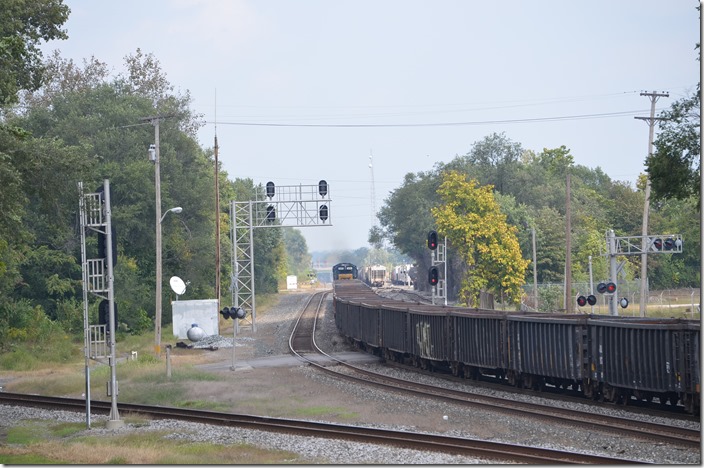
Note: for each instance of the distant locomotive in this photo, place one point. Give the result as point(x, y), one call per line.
point(401, 275)
point(609, 358)
point(375, 275)
point(343, 271)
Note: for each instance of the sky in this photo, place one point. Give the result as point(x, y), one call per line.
point(402, 84)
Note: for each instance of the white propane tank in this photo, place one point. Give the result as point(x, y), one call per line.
point(195, 333)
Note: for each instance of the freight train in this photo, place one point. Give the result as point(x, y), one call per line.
point(607, 358)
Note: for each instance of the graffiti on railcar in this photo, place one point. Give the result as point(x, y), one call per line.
point(424, 339)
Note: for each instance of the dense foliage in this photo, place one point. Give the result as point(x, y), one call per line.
point(62, 123)
point(84, 125)
point(473, 223)
point(533, 196)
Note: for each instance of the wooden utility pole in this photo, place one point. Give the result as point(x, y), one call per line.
point(568, 246)
point(654, 96)
point(217, 211)
point(217, 225)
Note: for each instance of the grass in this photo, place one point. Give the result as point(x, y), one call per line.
point(36, 443)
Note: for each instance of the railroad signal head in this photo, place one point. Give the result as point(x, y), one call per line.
point(590, 299)
point(104, 314)
point(601, 288)
point(433, 275)
point(433, 240)
point(323, 213)
point(610, 288)
point(322, 188)
point(657, 244)
point(270, 213)
point(233, 313)
point(669, 243)
point(270, 189)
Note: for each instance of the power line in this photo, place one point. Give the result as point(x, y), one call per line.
point(436, 124)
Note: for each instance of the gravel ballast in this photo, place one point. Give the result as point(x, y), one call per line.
point(389, 410)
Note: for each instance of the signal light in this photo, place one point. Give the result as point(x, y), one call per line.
point(624, 302)
point(104, 314)
point(323, 212)
point(590, 299)
point(322, 188)
point(610, 288)
point(601, 288)
point(433, 275)
point(102, 245)
point(669, 244)
point(270, 188)
point(433, 240)
point(657, 243)
point(270, 213)
point(233, 313)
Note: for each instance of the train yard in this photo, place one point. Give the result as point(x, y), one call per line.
point(470, 416)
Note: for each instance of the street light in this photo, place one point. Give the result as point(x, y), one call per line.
point(157, 317)
point(176, 209)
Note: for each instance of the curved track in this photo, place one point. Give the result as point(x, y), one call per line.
point(657, 433)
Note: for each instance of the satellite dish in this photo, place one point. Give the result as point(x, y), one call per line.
point(177, 285)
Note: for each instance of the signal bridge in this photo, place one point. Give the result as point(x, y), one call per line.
point(635, 245)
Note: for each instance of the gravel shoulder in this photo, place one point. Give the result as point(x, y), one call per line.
point(294, 390)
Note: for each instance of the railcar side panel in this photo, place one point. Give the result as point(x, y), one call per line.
point(369, 325)
point(548, 347)
point(394, 329)
point(428, 335)
point(479, 340)
point(641, 356)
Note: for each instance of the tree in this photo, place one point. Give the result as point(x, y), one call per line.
point(23, 25)
point(297, 256)
point(493, 160)
point(674, 166)
point(471, 219)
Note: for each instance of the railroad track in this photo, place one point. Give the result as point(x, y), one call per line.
point(439, 443)
point(303, 339)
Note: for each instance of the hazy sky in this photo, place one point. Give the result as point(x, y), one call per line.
point(477, 67)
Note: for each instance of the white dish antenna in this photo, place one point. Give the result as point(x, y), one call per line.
point(177, 285)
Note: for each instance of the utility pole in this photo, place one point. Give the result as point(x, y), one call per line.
point(157, 188)
point(568, 246)
point(654, 96)
point(155, 120)
point(217, 216)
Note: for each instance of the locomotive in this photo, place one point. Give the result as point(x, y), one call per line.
point(400, 275)
point(343, 271)
point(375, 275)
point(608, 358)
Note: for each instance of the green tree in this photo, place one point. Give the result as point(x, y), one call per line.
point(674, 166)
point(472, 221)
point(297, 256)
point(23, 26)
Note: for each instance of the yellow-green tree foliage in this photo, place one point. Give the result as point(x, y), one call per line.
point(471, 219)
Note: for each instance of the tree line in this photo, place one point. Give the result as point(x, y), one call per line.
point(62, 123)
